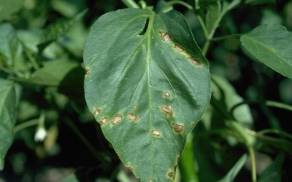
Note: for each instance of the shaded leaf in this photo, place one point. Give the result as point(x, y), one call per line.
point(273, 173)
point(226, 94)
point(56, 30)
point(71, 178)
point(148, 84)
point(271, 44)
point(234, 170)
point(9, 44)
point(8, 8)
point(7, 117)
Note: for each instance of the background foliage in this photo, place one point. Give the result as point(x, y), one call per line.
point(42, 74)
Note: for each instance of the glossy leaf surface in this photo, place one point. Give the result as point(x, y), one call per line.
point(7, 117)
point(148, 84)
point(271, 44)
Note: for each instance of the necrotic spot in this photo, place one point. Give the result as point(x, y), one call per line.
point(178, 128)
point(165, 36)
point(117, 119)
point(155, 132)
point(178, 48)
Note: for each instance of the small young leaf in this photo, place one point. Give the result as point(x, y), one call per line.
point(148, 84)
point(7, 117)
point(271, 44)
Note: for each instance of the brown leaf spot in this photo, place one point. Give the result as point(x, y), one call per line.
point(178, 128)
point(178, 48)
point(117, 119)
point(168, 110)
point(170, 174)
point(87, 73)
point(193, 123)
point(133, 117)
point(103, 121)
point(166, 94)
point(135, 106)
point(165, 36)
point(155, 132)
point(194, 61)
point(96, 112)
point(150, 180)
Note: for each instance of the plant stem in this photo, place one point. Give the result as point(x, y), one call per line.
point(130, 4)
point(253, 163)
point(278, 105)
point(25, 125)
point(171, 3)
point(226, 37)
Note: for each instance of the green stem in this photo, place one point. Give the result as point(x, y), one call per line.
point(226, 37)
point(130, 4)
point(278, 105)
point(275, 131)
point(187, 162)
point(171, 3)
point(267, 138)
point(25, 125)
point(253, 163)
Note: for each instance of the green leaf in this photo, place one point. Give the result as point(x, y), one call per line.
point(7, 117)
point(56, 30)
point(71, 178)
point(226, 94)
point(273, 173)
point(235, 169)
point(148, 84)
point(271, 44)
point(8, 8)
point(9, 44)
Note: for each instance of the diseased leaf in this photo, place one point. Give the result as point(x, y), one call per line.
point(271, 44)
point(7, 117)
point(148, 84)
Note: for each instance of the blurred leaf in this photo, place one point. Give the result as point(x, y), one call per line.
point(273, 173)
point(271, 44)
point(235, 169)
point(225, 93)
point(212, 17)
point(7, 117)
point(8, 45)
point(270, 17)
point(54, 74)
point(71, 178)
point(56, 30)
point(140, 86)
point(215, 12)
point(66, 8)
point(8, 8)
